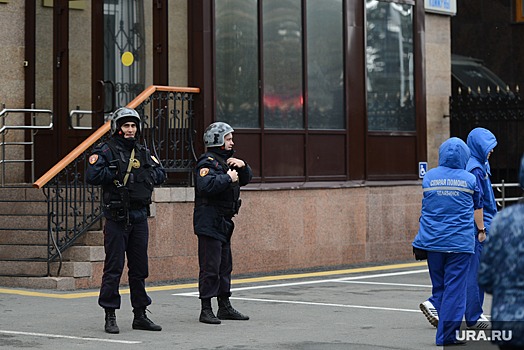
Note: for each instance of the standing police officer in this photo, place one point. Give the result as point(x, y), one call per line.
point(128, 173)
point(218, 177)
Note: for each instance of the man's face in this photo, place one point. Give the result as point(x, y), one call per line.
point(228, 142)
point(129, 129)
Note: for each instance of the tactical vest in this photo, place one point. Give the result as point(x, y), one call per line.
point(140, 183)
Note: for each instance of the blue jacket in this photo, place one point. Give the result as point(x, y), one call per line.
point(450, 194)
point(480, 142)
point(501, 269)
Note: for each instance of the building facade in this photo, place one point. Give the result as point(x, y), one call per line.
point(334, 105)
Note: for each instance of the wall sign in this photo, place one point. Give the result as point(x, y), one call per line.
point(446, 7)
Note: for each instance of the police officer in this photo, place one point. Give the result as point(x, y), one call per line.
point(128, 173)
point(218, 177)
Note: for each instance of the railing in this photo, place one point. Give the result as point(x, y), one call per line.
point(32, 127)
point(74, 206)
point(502, 112)
point(501, 189)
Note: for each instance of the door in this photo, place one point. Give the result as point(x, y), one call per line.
point(88, 59)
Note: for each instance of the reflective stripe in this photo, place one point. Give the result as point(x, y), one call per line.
point(444, 188)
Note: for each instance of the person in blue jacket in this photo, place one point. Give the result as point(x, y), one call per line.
point(481, 143)
point(447, 234)
point(501, 273)
point(218, 178)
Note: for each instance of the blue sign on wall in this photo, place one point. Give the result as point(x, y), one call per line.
point(422, 169)
point(447, 7)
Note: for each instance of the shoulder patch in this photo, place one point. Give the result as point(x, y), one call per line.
point(204, 172)
point(93, 158)
point(155, 160)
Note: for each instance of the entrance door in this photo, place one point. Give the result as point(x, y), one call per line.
point(63, 77)
point(88, 59)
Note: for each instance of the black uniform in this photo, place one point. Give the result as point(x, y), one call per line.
point(126, 207)
point(216, 202)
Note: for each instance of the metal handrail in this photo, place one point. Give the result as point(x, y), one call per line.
point(34, 128)
point(101, 131)
point(501, 188)
point(79, 112)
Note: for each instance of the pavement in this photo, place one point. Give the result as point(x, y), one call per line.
point(359, 307)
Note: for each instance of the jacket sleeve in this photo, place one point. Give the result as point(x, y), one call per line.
point(98, 167)
point(244, 175)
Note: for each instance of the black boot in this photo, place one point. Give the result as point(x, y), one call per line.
point(111, 326)
point(141, 321)
point(227, 312)
point(207, 315)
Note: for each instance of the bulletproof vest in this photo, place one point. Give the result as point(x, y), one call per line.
point(140, 183)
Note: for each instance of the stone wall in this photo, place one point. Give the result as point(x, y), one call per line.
point(287, 229)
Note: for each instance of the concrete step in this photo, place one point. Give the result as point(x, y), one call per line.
point(23, 222)
point(84, 254)
point(21, 194)
point(23, 268)
point(23, 237)
point(19, 251)
point(91, 238)
point(53, 283)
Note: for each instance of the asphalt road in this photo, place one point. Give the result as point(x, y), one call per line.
point(361, 308)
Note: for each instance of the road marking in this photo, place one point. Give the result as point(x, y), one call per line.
point(326, 304)
point(47, 335)
point(270, 278)
point(342, 279)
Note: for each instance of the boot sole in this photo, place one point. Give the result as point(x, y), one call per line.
point(431, 319)
point(210, 322)
point(146, 329)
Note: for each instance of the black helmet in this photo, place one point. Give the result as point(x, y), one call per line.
point(124, 115)
point(214, 134)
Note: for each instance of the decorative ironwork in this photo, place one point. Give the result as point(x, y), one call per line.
point(500, 111)
point(74, 206)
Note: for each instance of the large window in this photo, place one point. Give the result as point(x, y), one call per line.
point(236, 36)
point(283, 73)
point(316, 90)
point(389, 61)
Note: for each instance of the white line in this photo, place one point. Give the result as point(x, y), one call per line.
point(326, 304)
point(70, 337)
point(389, 284)
point(316, 282)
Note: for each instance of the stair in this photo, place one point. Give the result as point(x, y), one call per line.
point(23, 247)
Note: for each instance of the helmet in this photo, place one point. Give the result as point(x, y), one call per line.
point(122, 116)
point(214, 134)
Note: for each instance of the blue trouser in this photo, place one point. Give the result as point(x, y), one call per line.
point(475, 293)
point(121, 239)
point(216, 265)
point(448, 273)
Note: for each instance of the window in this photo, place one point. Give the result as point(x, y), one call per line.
point(389, 57)
point(290, 76)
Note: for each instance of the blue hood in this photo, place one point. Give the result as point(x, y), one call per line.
point(453, 153)
point(480, 142)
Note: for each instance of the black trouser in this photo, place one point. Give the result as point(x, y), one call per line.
point(120, 240)
point(216, 264)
